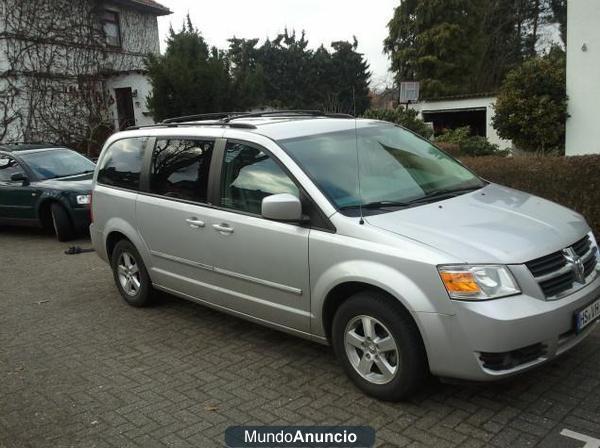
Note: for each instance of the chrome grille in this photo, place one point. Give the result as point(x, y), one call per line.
point(557, 274)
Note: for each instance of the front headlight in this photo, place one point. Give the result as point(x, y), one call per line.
point(478, 282)
point(84, 199)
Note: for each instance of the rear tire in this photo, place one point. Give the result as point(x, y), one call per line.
point(131, 276)
point(380, 346)
point(63, 228)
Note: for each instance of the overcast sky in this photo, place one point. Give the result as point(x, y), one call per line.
point(323, 20)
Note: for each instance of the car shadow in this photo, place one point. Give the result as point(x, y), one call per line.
point(38, 233)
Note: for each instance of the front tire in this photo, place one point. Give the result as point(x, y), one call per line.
point(380, 346)
point(63, 227)
point(131, 276)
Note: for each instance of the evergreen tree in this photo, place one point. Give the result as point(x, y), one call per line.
point(463, 46)
point(350, 81)
point(434, 42)
point(288, 75)
point(559, 15)
point(189, 78)
point(247, 74)
point(282, 73)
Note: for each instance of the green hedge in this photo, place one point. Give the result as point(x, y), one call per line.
point(571, 181)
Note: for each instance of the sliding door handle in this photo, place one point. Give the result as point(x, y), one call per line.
point(195, 223)
point(223, 228)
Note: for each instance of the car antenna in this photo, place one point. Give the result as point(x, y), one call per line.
point(362, 219)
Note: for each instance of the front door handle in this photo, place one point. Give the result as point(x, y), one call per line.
point(195, 223)
point(223, 228)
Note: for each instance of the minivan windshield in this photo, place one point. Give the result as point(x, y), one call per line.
point(57, 163)
point(392, 167)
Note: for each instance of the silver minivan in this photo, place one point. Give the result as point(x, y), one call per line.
point(350, 232)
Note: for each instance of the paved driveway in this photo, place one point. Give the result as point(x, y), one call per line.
point(80, 368)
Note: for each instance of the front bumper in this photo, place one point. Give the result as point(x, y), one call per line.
point(526, 330)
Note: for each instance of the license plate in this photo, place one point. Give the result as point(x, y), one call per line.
point(587, 315)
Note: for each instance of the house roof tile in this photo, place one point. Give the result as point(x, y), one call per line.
point(151, 5)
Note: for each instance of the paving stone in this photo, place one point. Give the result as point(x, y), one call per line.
point(86, 370)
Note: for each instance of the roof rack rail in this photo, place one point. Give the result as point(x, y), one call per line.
point(296, 112)
point(185, 124)
point(197, 117)
point(225, 118)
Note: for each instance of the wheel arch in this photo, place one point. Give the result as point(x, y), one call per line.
point(343, 291)
point(116, 229)
point(44, 209)
point(112, 239)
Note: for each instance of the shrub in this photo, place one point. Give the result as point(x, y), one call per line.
point(456, 136)
point(478, 146)
point(531, 109)
point(569, 181)
point(407, 118)
point(460, 142)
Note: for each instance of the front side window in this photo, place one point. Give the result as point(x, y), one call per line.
point(377, 163)
point(112, 28)
point(248, 176)
point(122, 164)
point(180, 169)
point(8, 167)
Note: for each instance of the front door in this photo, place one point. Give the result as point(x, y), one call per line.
point(262, 264)
point(16, 200)
point(125, 113)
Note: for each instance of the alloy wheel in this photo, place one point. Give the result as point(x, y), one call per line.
point(129, 274)
point(371, 349)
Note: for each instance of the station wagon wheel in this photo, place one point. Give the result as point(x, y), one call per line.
point(63, 228)
point(131, 276)
point(379, 345)
point(371, 349)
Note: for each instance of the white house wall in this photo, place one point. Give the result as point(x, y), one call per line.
point(583, 77)
point(140, 87)
point(486, 103)
point(38, 76)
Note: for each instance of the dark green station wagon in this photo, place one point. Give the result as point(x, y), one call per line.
point(45, 186)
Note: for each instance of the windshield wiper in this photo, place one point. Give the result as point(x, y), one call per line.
point(443, 194)
point(376, 205)
point(429, 197)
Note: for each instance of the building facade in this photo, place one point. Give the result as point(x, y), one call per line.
point(583, 77)
point(72, 70)
point(475, 111)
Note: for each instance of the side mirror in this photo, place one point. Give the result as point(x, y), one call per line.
point(282, 207)
point(20, 177)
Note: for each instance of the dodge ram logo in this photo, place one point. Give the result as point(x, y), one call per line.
point(576, 264)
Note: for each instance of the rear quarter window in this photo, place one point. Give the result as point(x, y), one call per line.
point(122, 164)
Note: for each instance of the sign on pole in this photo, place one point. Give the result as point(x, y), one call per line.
point(409, 92)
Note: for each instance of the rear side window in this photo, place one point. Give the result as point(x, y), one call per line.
point(180, 169)
point(122, 164)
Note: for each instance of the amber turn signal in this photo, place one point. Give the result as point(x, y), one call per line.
point(460, 282)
